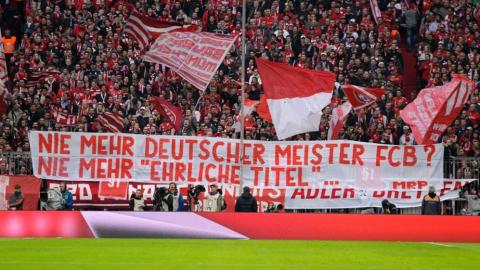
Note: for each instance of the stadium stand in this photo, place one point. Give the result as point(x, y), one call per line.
point(68, 61)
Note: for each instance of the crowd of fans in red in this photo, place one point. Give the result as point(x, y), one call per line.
point(101, 68)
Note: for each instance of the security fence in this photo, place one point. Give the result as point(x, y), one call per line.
point(13, 163)
point(462, 168)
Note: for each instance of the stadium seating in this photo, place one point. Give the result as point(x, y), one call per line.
point(71, 57)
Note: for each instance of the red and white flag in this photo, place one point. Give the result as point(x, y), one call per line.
point(38, 77)
point(4, 93)
point(194, 56)
point(172, 113)
point(64, 118)
point(361, 97)
point(111, 122)
point(262, 109)
point(436, 108)
point(337, 121)
point(295, 96)
point(375, 10)
point(249, 106)
point(144, 30)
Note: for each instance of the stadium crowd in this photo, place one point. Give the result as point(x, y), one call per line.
point(100, 68)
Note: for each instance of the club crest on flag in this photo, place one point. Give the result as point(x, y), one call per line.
point(362, 97)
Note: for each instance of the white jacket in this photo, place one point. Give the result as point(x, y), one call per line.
point(213, 203)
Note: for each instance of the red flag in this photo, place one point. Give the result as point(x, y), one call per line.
point(172, 113)
point(111, 122)
point(337, 121)
point(64, 118)
point(295, 96)
point(436, 108)
point(375, 10)
point(361, 97)
point(249, 106)
point(262, 109)
point(144, 30)
point(194, 56)
point(38, 76)
point(124, 3)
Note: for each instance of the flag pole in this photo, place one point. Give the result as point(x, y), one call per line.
point(198, 101)
point(242, 91)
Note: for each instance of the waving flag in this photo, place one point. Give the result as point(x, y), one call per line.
point(436, 108)
point(64, 118)
point(249, 106)
point(262, 109)
point(375, 10)
point(144, 30)
point(172, 113)
point(111, 122)
point(295, 96)
point(361, 97)
point(38, 77)
point(194, 56)
point(337, 121)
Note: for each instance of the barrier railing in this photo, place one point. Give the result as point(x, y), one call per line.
point(14, 163)
point(462, 168)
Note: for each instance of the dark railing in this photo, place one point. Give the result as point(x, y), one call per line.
point(17, 162)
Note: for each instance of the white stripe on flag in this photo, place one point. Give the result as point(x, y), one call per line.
point(134, 21)
point(293, 116)
point(162, 29)
point(139, 39)
point(106, 125)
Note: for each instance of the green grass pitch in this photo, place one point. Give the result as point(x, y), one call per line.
point(133, 254)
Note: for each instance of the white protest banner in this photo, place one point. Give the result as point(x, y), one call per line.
point(342, 170)
point(194, 56)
